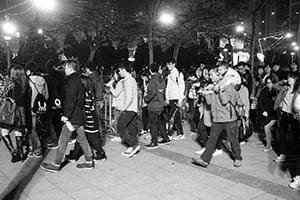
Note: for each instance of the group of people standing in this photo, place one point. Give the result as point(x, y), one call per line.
point(220, 102)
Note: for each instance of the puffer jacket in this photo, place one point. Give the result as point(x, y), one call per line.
point(222, 109)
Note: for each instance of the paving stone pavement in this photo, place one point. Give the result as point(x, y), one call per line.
point(165, 173)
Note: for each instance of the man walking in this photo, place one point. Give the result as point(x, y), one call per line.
point(175, 95)
point(126, 125)
point(73, 119)
point(155, 101)
point(224, 118)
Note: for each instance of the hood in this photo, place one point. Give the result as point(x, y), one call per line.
point(95, 76)
point(157, 77)
point(38, 80)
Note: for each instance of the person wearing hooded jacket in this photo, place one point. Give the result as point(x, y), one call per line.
point(155, 101)
point(37, 85)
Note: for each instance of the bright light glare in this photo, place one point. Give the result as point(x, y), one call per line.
point(296, 48)
point(288, 35)
point(40, 31)
point(240, 29)
point(9, 28)
point(45, 4)
point(294, 44)
point(167, 18)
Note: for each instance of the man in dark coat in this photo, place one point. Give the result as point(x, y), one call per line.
point(155, 104)
point(73, 119)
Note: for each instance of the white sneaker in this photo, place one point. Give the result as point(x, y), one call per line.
point(128, 151)
point(116, 139)
point(179, 137)
point(200, 152)
point(217, 152)
point(280, 158)
point(131, 151)
point(296, 183)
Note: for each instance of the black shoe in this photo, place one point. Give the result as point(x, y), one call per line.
point(70, 158)
point(151, 146)
point(15, 158)
point(164, 142)
point(86, 165)
point(101, 157)
point(199, 162)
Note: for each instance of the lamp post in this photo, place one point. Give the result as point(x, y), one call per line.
point(9, 29)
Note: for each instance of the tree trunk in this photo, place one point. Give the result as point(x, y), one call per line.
point(176, 50)
point(150, 43)
point(253, 42)
point(92, 54)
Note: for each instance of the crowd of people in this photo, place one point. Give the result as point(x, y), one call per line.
point(222, 103)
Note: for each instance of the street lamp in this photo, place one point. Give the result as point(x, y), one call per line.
point(9, 29)
point(240, 29)
point(45, 4)
point(167, 18)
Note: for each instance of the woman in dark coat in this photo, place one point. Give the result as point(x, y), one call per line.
point(265, 105)
point(20, 93)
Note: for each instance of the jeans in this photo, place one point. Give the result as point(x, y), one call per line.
point(215, 132)
point(145, 118)
point(285, 120)
point(177, 117)
point(156, 125)
point(63, 143)
point(35, 140)
point(127, 128)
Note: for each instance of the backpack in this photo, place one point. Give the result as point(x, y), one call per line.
point(239, 107)
point(40, 102)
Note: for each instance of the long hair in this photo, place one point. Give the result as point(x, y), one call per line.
point(17, 74)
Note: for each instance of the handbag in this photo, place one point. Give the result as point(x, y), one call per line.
point(7, 111)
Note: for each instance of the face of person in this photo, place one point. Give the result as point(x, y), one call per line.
point(68, 69)
point(269, 84)
point(198, 72)
point(213, 76)
point(260, 71)
point(291, 81)
point(222, 70)
point(170, 66)
point(122, 72)
point(241, 69)
point(294, 67)
point(276, 68)
point(267, 69)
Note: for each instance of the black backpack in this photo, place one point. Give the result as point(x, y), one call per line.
point(40, 103)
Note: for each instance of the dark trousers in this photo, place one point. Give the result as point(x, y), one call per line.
point(54, 124)
point(156, 125)
point(177, 118)
point(216, 130)
point(193, 115)
point(127, 128)
point(145, 118)
point(94, 142)
point(285, 120)
point(203, 132)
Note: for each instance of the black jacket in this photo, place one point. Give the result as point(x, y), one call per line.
point(54, 82)
point(155, 93)
point(74, 100)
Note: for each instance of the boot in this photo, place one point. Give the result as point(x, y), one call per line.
point(7, 141)
point(20, 151)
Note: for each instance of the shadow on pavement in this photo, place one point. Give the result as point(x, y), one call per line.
point(15, 188)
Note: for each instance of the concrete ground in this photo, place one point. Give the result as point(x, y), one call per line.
point(165, 173)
